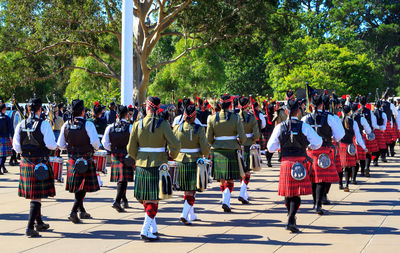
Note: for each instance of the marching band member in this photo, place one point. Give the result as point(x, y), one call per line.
point(6, 134)
point(99, 121)
point(391, 114)
point(34, 139)
point(251, 129)
point(146, 145)
point(115, 140)
point(348, 157)
point(292, 137)
point(79, 137)
point(193, 146)
point(267, 131)
point(381, 121)
point(15, 117)
point(223, 130)
point(327, 127)
point(111, 114)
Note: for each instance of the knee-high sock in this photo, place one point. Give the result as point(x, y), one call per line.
point(3, 161)
point(190, 199)
point(391, 148)
point(294, 203)
point(287, 204)
point(119, 193)
point(81, 208)
point(340, 178)
point(354, 170)
point(124, 187)
point(78, 200)
point(269, 156)
point(39, 215)
point(229, 185)
point(347, 175)
point(151, 209)
point(319, 193)
point(327, 188)
point(377, 154)
point(33, 213)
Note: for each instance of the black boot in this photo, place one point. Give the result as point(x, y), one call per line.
point(33, 213)
point(340, 180)
point(391, 148)
point(383, 156)
point(354, 172)
point(74, 218)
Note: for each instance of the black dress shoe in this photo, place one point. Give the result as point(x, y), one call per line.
point(85, 215)
point(42, 227)
point(147, 239)
point(74, 218)
point(244, 202)
point(326, 201)
point(226, 208)
point(118, 207)
point(5, 170)
point(32, 233)
point(269, 164)
point(292, 228)
point(184, 221)
point(341, 187)
point(354, 182)
point(319, 211)
point(126, 205)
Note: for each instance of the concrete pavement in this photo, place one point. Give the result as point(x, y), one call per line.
point(366, 219)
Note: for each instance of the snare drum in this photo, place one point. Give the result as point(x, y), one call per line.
point(100, 159)
point(57, 164)
point(173, 172)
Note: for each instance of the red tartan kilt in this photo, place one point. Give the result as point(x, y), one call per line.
point(380, 139)
point(389, 133)
point(361, 155)
point(31, 188)
point(77, 182)
point(346, 159)
point(372, 146)
point(288, 186)
point(119, 172)
point(318, 174)
point(338, 164)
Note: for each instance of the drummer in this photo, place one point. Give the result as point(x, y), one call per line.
point(193, 146)
point(146, 145)
point(79, 137)
point(115, 140)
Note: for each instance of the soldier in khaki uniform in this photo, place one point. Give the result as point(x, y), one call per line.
point(193, 146)
point(146, 145)
point(223, 130)
point(251, 129)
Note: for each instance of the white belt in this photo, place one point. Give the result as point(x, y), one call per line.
point(190, 150)
point(249, 135)
point(149, 150)
point(225, 138)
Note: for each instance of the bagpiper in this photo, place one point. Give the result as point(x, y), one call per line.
point(292, 137)
point(6, 134)
point(115, 140)
point(33, 139)
point(194, 146)
point(323, 169)
point(251, 129)
point(79, 137)
point(391, 114)
point(225, 134)
point(150, 135)
point(381, 121)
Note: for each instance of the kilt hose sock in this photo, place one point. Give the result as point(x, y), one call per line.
point(340, 178)
point(326, 189)
point(367, 163)
point(13, 158)
point(39, 215)
point(78, 203)
point(189, 198)
point(151, 209)
point(292, 205)
point(347, 173)
point(354, 170)
point(246, 178)
point(391, 148)
point(318, 192)
point(33, 213)
point(121, 191)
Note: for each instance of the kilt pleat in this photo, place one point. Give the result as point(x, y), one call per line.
point(361, 155)
point(187, 176)
point(346, 160)
point(290, 187)
point(389, 133)
point(372, 146)
point(147, 183)
point(31, 188)
point(380, 139)
point(318, 174)
point(81, 182)
point(5, 146)
point(225, 164)
point(119, 172)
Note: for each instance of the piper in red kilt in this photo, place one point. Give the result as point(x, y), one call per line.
point(115, 139)
point(347, 154)
point(292, 137)
point(34, 139)
point(6, 133)
point(329, 127)
point(391, 130)
point(80, 138)
point(381, 121)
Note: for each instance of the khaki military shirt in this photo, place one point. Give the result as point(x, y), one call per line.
point(250, 128)
point(143, 138)
point(191, 140)
point(224, 128)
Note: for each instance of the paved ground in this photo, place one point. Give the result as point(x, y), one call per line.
point(364, 220)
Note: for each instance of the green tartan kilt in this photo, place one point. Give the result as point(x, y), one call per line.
point(147, 183)
point(81, 182)
point(187, 176)
point(225, 164)
point(246, 158)
point(120, 172)
point(31, 188)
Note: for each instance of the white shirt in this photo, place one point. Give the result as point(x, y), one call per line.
point(45, 129)
point(313, 138)
point(336, 125)
point(359, 139)
point(394, 112)
point(373, 121)
point(106, 137)
point(263, 121)
point(179, 119)
point(364, 123)
point(90, 130)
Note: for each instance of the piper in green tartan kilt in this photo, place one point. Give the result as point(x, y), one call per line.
point(251, 129)
point(33, 139)
point(193, 146)
point(225, 134)
point(146, 145)
point(115, 140)
point(79, 137)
